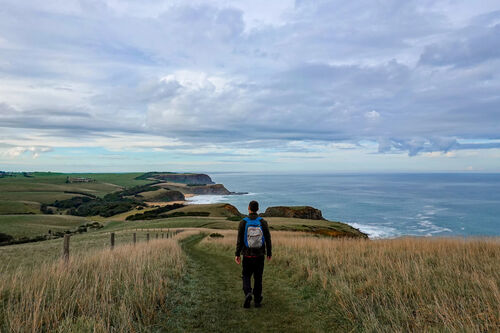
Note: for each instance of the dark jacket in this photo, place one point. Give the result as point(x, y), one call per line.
point(240, 243)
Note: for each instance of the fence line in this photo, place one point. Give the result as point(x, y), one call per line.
point(169, 234)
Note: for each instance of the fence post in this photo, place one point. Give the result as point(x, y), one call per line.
point(112, 239)
point(156, 236)
point(135, 238)
point(162, 235)
point(66, 248)
point(147, 237)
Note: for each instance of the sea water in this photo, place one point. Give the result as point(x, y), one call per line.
point(381, 205)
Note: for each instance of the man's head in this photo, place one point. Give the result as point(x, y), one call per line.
point(253, 206)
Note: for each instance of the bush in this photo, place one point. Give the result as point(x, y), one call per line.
point(4, 238)
point(153, 214)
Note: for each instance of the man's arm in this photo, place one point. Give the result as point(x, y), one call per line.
point(267, 237)
point(239, 240)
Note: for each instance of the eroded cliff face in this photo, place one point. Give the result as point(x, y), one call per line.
point(217, 189)
point(298, 212)
point(213, 189)
point(184, 178)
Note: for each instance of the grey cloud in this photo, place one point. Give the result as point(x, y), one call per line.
point(468, 47)
point(321, 75)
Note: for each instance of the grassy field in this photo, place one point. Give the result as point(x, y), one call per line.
point(125, 290)
point(22, 195)
point(19, 207)
point(40, 253)
point(313, 284)
point(409, 284)
point(34, 225)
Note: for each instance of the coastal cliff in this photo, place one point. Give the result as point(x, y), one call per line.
point(298, 212)
point(183, 178)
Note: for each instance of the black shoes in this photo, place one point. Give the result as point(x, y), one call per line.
point(248, 299)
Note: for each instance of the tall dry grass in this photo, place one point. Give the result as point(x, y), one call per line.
point(124, 290)
point(408, 284)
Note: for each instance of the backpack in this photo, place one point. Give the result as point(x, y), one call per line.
point(254, 235)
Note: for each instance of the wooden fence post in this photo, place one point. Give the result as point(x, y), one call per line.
point(66, 248)
point(112, 240)
point(156, 236)
point(147, 237)
point(135, 238)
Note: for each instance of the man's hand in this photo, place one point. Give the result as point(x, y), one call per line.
point(237, 259)
point(268, 258)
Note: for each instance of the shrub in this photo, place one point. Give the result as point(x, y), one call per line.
point(4, 238)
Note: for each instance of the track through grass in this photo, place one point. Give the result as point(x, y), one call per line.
point(211, 298)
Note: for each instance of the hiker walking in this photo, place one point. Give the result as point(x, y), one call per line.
point(254, 242)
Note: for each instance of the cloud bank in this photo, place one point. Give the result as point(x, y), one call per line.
point(411, 77)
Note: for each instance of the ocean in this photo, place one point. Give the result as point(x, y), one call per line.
point(381, 205)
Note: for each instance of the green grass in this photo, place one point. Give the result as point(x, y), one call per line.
point(210, 298)
point(49, 187)
point(38, 197)
point(215, 210)
point(275, 223)
point(174, 222)
point(34, 225)
point(19, 207)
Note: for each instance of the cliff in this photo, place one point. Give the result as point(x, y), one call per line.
point(298, 212)
point(161, 195)
point(217, 189)
point(184, 178)
point(214, 189)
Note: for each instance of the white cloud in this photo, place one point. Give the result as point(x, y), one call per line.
point(372, 115)
point(16, 152)
point(303, 76)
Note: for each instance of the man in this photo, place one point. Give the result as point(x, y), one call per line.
point(254, 242)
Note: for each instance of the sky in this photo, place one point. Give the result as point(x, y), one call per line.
point(259, 86)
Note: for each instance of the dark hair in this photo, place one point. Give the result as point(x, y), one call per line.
point(253, 206)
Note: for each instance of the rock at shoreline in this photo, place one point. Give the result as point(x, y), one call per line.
point(298, 212)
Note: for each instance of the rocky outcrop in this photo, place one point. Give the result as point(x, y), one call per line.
point(298, 212)
point(216, 189)
point(213, 189)
point(232, 211)
point(184, 178)
point(167, 196)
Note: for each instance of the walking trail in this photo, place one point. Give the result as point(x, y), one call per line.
point(210, 299)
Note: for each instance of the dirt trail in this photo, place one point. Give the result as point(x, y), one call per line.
point(210, 300)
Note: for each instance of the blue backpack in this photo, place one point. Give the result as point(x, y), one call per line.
point(254, 235)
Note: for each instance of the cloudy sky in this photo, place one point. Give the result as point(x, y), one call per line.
point(272, 86)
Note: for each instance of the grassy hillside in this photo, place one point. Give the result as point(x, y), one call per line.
point(34, 225)
point(100, 291)
point(313, 284)
point(21, 195)
point(409, 284)
point(320, 279)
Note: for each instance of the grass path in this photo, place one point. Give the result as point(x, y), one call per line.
point(210, 299)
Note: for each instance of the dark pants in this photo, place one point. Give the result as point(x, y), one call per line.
point(255, 267)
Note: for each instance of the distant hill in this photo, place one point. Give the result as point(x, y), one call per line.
point(183, 178)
